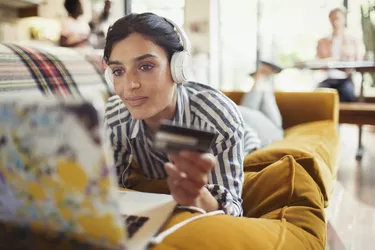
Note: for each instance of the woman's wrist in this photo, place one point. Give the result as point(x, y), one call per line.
point(206, 201)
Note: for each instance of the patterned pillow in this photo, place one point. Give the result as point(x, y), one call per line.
point(51, 70)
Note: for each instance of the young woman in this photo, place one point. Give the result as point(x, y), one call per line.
point(139, 51)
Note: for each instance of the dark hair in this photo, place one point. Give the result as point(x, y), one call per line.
point(342, 10)
point(151, 26)
point(71, 5)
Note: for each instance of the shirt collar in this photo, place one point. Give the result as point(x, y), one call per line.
point(137, 129)
point(180, 109)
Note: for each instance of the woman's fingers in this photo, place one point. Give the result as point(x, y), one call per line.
point(183, 190)
point(172, 171)
point(204, 162)
point(195, 165)
point(188, 169)
point(182, 179)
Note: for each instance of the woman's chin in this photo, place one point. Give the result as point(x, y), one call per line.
point(139, 114)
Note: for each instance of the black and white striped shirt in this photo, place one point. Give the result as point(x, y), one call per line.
point(200, 106)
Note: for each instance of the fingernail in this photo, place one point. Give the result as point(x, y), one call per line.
point(183, 175)
point(209, 157)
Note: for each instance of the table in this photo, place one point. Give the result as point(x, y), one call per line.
point(359, 111)
point(359, 66)
point(360, 114)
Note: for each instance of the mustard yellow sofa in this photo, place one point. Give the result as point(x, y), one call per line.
point(310, 120)
point(287, 185)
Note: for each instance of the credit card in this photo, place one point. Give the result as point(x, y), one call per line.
point(172, 139)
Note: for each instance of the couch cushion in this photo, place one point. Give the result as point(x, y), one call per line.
point(288, 210)
point(314, 145)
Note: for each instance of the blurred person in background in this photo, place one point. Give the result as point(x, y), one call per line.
point(340, 46)
point(75, 31)
point(99, 26)
point(259, 108)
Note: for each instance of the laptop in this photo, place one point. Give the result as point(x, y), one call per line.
point(56, 176)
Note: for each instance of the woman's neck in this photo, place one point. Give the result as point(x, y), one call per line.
point(166, 114)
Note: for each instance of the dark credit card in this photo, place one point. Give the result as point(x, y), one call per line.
point(172, 139)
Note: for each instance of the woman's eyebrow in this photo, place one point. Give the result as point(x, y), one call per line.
point(145, 56)
point(114, 62)
point(139, 58)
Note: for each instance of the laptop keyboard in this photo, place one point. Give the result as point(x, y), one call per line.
point(133, 223)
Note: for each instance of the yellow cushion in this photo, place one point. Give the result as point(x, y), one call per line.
point(313, 145)
point(288, 207)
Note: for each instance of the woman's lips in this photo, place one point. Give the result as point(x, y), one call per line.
point(136, 101)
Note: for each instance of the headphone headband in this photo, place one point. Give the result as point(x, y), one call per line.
point(181, 33)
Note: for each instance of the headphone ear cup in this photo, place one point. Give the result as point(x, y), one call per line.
point(109, 79)
point(180, 64)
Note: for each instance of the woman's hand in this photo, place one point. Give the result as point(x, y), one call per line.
point(187, 175)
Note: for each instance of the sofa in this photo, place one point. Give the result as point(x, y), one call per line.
point(287, 185)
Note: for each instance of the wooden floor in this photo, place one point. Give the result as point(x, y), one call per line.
point(351, 215)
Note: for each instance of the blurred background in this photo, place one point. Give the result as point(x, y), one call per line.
point(230, 40)
point(228, 37)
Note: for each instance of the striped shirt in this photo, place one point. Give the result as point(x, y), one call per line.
point(199, 106)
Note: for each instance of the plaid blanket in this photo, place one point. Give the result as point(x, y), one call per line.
point(51, 70)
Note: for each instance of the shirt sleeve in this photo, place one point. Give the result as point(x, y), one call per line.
point(121, 153)
point(226, 180)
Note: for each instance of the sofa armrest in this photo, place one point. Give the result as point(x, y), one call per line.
point(235, 96)
point(302, 107)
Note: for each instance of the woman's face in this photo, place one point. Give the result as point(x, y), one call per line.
point(142, 78)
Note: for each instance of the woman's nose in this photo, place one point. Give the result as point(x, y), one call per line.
point(130, 81)
point(133, 84)
point(127, 84)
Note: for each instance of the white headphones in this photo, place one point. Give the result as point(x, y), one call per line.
point(180, 62)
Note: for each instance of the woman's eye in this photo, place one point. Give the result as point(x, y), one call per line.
point(117, 72)
point(146, 67)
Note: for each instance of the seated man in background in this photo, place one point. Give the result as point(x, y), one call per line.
point(340, 46)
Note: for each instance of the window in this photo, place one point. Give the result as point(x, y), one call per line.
point(172, 9)
point(238, 43)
